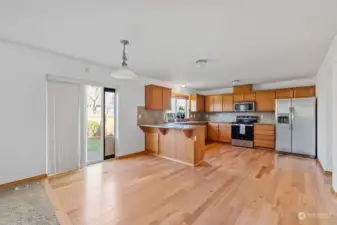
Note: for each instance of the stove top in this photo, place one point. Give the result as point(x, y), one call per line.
point(246, 120)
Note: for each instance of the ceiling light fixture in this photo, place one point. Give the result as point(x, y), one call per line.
point(201, 62)
point(183, 85)
point(124, 72)
point(235, 82)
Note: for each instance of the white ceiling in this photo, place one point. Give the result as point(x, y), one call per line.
point(251, 40)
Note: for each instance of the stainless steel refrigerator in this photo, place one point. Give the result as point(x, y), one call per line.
point(296, 126)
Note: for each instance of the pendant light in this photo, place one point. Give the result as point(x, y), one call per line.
point(124, 72)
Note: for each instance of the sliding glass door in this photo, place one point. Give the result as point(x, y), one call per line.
point(63, 127)
point(100, 121)
point(93, 110)
point(109, 123)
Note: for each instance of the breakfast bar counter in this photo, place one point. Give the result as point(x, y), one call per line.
point(177, 142)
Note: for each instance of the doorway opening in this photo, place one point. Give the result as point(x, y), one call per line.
point(100, 123)
point(109, 123)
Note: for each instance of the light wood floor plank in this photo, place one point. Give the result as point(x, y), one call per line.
point(234, 186)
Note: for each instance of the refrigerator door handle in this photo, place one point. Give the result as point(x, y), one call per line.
point(292, 117)
point(290, 122)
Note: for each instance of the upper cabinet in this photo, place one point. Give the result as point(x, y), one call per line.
point(243, 89)
point(238, 97)
point(217, 103)
point(304, 92)
point(284, 93)
point(265, 101)
point(157, 98)
point(247, 97)
point(197, 103)
point(208, 103)
point(167, 98)
point(227, 103)
point(213, 103)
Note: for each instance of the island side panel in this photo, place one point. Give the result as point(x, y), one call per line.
point(199, 145)
point(166, 143)
point(152, 142)
point(184, 147)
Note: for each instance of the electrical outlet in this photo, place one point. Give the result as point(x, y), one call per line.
point(139, 116)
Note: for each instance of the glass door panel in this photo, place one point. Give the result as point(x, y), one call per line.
point(94, 121)
point(109, 123)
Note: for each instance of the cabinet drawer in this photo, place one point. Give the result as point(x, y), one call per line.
point(225, 126)
point(264, 132)
point(266, 127)
point(261, 137)
point(264, 144)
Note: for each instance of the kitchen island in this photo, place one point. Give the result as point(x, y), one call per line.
point(177, 142)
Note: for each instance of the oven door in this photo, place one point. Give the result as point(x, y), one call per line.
point(247, 134)
point(244, 107)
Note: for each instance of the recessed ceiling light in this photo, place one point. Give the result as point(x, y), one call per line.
point(183, 85)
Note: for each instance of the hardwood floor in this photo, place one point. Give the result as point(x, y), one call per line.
point(235, 186)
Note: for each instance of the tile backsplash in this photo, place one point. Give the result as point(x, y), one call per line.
point(149, 116)
point(263, 117)
point(157, 117)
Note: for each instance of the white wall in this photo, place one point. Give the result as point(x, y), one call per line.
point(286, 84)
point(324, 93)
point(266, 86)
point(176, 88)
point(333, 149)
point(216, 91)
point(23, 106)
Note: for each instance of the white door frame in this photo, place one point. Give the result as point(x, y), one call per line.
point(83, 137)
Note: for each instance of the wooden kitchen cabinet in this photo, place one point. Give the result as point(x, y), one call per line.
point(157, 98)
point(217, 101)
point(213, 103)
point(265, 101)
point(227, 103)
point(284, 93)
point(243, 89)
point(238, 98)
point(208, 103)
point(197, 103)
point(247, 97)
point(264, 135)
point(213, 131)
point(167, 98)
point(225, 132)
point(304, 92)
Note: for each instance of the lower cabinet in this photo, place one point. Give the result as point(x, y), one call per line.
point(264, 135)
point(221, 132)
point(225, 132)
point(212, 131)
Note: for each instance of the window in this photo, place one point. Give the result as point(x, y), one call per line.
point(179, 104)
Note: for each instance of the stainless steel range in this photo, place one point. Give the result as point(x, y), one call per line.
point(243, 131)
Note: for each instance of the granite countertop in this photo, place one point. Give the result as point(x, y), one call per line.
point(267, 123)
point(187, 122)
point(172, 126)
point(230, 122)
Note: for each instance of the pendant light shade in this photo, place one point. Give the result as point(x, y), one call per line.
point(124, 72)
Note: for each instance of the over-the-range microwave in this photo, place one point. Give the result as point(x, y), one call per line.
point(244, 107)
